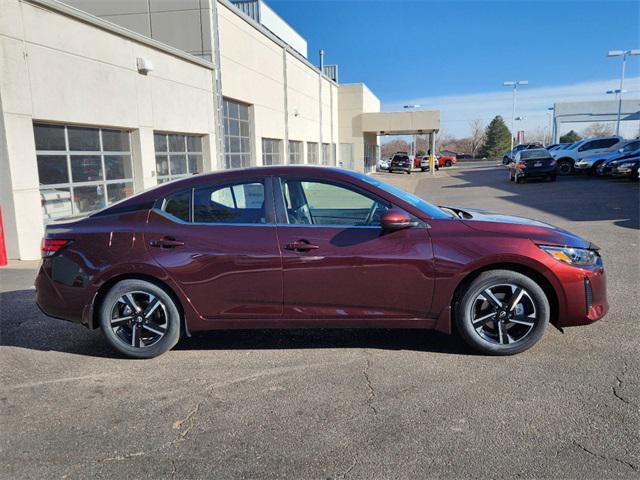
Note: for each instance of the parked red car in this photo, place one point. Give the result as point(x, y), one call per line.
point(446, 160)
point(280, 247)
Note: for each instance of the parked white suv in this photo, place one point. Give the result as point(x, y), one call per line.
point(567, 157)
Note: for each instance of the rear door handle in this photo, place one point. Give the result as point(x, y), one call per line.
point(301, 246)
point(166, 242)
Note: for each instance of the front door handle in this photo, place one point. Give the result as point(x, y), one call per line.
point(301, 246)
point(166, 242)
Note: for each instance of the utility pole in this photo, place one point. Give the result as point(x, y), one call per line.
point(620, 91)
point(514, 84)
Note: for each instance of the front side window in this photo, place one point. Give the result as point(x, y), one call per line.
point(177, 155)
point(239, 203)
point(295, 152)
point(271, 151)
point(237, 137)
point(81, 169)
point(322, 203)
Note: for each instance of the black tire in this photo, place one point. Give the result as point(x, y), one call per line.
point(448, 163)
point(390, 170)
point(423, 169)
point(468, 301)
point(565, 167)
point(169, 312)
point(505, 160)
point(408, 172)
point(594, 170)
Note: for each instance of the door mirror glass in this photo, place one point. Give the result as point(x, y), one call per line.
point(395, 219)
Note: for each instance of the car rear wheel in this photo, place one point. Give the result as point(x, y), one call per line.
point(448, 163)
point(139, 319)
point(502, 313)
point(565, 167)
point(517, 178)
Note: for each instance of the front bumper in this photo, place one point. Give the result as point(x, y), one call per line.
point(585, 295)
point(580, 166)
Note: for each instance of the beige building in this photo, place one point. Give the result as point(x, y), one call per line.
point(101, 99)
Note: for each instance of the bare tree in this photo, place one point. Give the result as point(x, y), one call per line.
point(537, 135)
point(476, 140)
point(393, 146)
point(598, 130)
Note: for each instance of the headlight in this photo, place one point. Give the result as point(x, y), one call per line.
point(573, 256)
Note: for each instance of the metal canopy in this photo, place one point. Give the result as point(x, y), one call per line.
point(400, 123)
point(604, 111)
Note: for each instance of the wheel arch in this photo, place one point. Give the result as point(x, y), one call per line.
point(93, 321)
point(535, 275)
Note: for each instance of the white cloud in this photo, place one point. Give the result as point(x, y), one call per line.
point(532, 102)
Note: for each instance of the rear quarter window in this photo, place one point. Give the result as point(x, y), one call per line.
point(178, 205)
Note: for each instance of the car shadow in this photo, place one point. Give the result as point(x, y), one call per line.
point(578, 198)
point(23, 325)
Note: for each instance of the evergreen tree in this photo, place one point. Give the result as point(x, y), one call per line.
point(497, 138)
point(570, 137)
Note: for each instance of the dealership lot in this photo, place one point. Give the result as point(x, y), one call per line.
point(342, 404)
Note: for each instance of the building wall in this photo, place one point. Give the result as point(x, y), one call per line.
point(253, 71)
point(60, 69)
point(354, 99)
point(184, 24)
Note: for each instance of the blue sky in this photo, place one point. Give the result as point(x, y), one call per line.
point(439, 52)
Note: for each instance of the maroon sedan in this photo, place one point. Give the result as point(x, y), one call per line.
point(282, 247)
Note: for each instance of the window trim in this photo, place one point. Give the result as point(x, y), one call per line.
point(269, 210)
point(282, 218)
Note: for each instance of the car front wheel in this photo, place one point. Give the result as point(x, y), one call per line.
point(502, 313)
point(139, 319)
point(565, 167)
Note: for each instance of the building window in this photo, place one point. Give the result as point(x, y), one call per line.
point(312, 153)
point(177, 155)
point(295, 152)
point(271, 151)
point(237, 136)
point(346, 155)
point(326, 154)
point(81, 169)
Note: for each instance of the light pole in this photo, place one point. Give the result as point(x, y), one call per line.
point(514, 84)
point(620, 91)
point(551, 111)
point(414, 150)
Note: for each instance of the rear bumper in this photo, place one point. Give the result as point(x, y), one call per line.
point(538, 172)
point(68, 305)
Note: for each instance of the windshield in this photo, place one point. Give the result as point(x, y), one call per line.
point(426, 207)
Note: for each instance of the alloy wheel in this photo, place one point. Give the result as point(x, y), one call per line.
point(503, 314)
point(139, 319)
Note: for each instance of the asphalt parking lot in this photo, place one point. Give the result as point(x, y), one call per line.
point(342, 404)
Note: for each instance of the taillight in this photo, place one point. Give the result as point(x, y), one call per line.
point(51, 246)
point(520, 165)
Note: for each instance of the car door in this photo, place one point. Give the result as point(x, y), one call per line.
point(218, 242)
point(598, 146)
point(337, 260)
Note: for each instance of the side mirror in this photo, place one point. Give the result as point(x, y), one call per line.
point(395, 219)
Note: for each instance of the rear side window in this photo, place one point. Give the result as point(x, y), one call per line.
point(240, 203)
point(178, 205)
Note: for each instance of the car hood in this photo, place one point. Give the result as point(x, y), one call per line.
point(538, 232)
